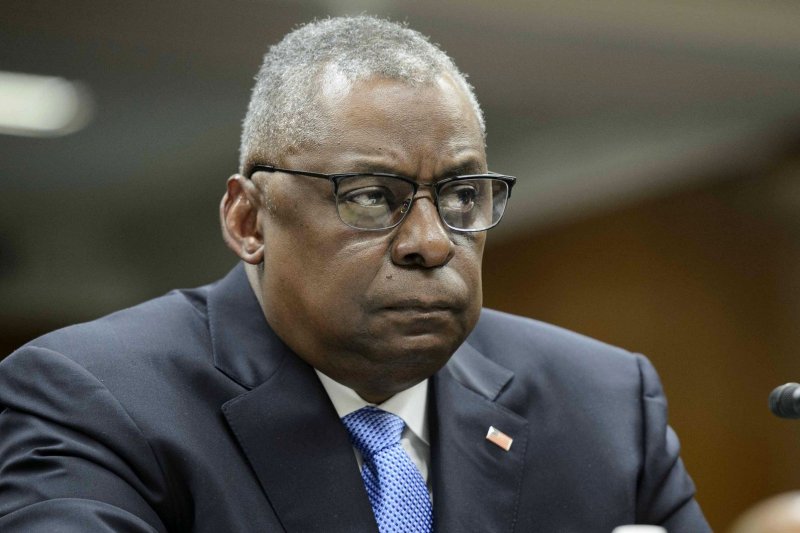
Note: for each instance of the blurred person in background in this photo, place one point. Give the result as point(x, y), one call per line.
point(779, 514)
point(344, 376)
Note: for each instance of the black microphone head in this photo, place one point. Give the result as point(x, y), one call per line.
point(784, 401)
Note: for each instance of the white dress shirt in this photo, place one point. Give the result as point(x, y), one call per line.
point(411, 405)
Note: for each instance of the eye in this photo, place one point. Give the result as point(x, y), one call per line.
point(370, 197)
point(460, 197)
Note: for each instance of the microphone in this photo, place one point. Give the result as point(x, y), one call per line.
point(784, 401)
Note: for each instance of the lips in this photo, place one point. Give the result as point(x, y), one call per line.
point(419, 305)
point(413, 314)
point(436, 315)
point(437, 292)
point(410, 320)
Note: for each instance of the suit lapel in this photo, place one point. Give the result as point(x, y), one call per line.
point(284, 422)
point(476, 484)
point(301, 452)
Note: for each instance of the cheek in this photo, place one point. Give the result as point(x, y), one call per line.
point(469, 253)
point(353, 265)
point(471, 269)
point(326, 269)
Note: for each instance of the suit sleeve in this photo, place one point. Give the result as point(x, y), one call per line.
point(71, 458)
point(666, 492)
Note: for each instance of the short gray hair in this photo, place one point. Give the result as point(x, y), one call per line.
point(283, 113)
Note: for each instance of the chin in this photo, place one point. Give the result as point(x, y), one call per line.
point(426, 347)
point(424, 353)
point(391, 379)
point(388, 368)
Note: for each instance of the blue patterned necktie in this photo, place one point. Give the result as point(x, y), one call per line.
point(396, 489)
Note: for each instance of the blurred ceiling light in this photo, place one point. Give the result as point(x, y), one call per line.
point(42, 106)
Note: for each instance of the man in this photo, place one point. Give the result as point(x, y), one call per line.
point(360, 215)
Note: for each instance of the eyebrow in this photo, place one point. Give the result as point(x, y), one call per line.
point(469, 167)
point(458, 169)
point(367, 167)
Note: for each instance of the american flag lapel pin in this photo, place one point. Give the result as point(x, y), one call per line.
point(497, 437)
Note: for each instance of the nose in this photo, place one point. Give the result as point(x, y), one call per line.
point(422, 238)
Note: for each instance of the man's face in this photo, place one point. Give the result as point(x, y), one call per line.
point(378, 311)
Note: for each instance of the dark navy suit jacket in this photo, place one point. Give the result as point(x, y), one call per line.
point(187, 413)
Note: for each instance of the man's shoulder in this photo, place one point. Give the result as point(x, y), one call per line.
point(518, 342)
point(157, 349)
point(159, 325)
point(505, 329)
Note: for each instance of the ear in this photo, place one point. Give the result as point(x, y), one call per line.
point(238, 214)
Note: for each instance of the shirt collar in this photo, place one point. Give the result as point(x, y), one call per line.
point(410, 404)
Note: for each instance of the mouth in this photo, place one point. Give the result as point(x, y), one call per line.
point(417, 313)
point(419, 317)
point(433, 320)
point(418, 320)
point(417, 305)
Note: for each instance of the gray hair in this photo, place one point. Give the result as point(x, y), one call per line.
point(284, 113)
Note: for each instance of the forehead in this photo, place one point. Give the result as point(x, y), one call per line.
point(407, 128)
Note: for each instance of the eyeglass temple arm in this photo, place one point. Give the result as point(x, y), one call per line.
point(270, 168)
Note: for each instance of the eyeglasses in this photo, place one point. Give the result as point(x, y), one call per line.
point(379, 201)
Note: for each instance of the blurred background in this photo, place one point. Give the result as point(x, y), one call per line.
point(658, 208)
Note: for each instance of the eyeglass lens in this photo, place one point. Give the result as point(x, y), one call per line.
point(379, 202)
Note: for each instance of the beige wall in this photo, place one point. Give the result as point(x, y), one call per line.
point(707, 284)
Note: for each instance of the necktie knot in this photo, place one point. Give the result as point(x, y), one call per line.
point(372, 429)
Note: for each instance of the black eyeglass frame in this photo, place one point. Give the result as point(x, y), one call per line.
point(336, 178)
